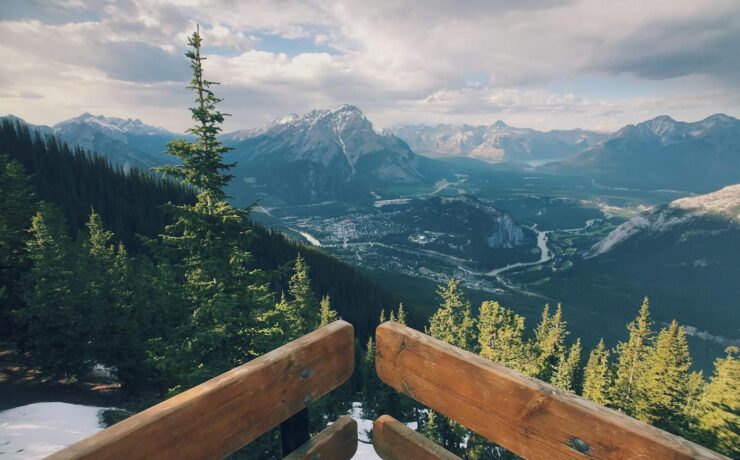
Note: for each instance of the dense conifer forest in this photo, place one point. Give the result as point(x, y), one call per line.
point(168, 284)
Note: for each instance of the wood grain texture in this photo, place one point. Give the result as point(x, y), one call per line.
point(524, 415)
point(393, 440)
point(220, 416)
point(338, 441)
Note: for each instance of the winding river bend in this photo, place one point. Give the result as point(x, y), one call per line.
point(545, 256)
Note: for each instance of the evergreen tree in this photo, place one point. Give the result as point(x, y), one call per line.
point(501, 337)
point(97, 269)
point(17, 204)
point(304, 301)
point(665, 386)
point(53, 319)
point(332, 405)
point(694, 408)
point(453, 322)
point(549, 343)
point(567, 373)
point(632, 359)
point(401, 319)
point(370, 383)
point(597, 379)
point(208, 243)
point(327, 314)
point(431, 429)
point(720, 422)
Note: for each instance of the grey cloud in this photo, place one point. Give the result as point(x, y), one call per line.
point(665, 50)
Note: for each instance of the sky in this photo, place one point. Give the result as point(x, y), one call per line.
point(543, 64)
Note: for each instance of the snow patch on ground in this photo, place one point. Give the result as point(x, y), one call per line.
point(38, 430)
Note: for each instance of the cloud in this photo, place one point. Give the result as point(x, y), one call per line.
point(417, 60)
point(704, 44)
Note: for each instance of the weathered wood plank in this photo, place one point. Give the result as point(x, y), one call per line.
point(522, 414)
point(393, 440)
point(338, 441)
point(220, 416)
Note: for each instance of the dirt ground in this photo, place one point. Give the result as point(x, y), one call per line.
point(21, 384)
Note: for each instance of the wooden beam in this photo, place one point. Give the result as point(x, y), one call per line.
point(522, 414)
point(338, 441)
point(220, 416)
point(393, 440)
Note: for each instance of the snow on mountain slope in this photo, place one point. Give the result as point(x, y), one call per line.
point(496, 142)
point(323, 154)
point(321, 136)
point(663, 153)
point(724, 202)
point(115, 127)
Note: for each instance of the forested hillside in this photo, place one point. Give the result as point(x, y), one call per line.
point(131, 205)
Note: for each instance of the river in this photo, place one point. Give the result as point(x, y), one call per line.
point(545, 255)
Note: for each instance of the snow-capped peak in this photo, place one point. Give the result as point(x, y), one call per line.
point(113, 124)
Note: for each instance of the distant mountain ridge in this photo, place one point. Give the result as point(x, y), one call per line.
point(323, 154)
point(125, 142)
point(664, 153)
point(497, 142)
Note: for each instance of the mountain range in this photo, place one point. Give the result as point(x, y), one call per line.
point(338, 154)
point(663, 153)
point(321, 155)
point(125, 142)
point(497, 142)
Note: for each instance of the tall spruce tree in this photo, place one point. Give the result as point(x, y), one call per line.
point(326, 314)
point(303, 299)
point(665, 387)
point(17, 205)
point(98, 271)
point(453, 321)
point(597, 379)
point(567, 375)
point(208, 243)
point(632, 359)
point(54, 318)
point(501, 337)
point(720, 422)
point(401, 317)
point(549, 343)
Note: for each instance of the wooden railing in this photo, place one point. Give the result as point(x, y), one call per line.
point(222, 415)
point(524, 415)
